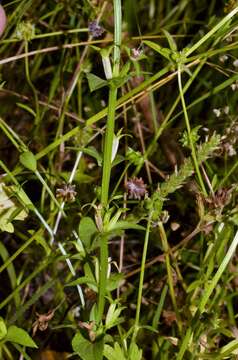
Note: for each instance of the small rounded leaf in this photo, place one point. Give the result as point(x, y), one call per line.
point(28, 160)
point(87, 229)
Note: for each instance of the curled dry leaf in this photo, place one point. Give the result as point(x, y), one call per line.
point(172, 340)
point(89, 327)
point(169, 317)
point(174, 226)
point(42, 321)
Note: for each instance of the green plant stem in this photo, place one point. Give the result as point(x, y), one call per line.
point(183, 347)
point(11, 136)
point(112, 103)
point(21, 351)
point(166, 249)
point(107, 163)
point(120, 180)
point(142, 274)
point(48, 35)
point(17, 290)
point(155, 322)
point(229, 173)
point(212, 284)
point(20, 250)
point(189, 132)
point(25, 200)
point(107, 159)
point(126, 98)
point(47, 188)
point(103, 276)
point(217, 27)
point(37, 117)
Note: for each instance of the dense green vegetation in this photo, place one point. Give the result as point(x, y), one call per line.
point(118, 192)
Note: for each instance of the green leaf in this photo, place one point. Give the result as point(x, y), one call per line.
point(194, 285)
point(82, 280)
point(105, 52)
point(234, 219)
point(114, 281)
point(21, 195)
point(27, 108)
point(88, 279)
point(80, 177)
point(115, 353)
point(113, 316)
point(194, 136)
point(3, 329)
point(87, 229)
point(165, 52)
point(119, 81)
point(125, 69)
point(11, 273)
point(28, 160)
point(19, 336)
point(93, 316)
point(172, 43)
point(134, 157)
point(91, 151)
point(42, 241)
point(134, 352)
point(95, 82)
point(6, 226)
point(9, 210)
point(87, 350)
point(115, 145)
point(118, 159)
point(123, 225)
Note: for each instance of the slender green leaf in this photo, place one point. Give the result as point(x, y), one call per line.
point(165, 52)
point(172, 43)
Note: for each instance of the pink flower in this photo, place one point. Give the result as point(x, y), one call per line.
point(136, 188)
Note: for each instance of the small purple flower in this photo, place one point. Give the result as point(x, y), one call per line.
point(66, 192)
point(136, 188)
point(136, 53)
point(95, 29)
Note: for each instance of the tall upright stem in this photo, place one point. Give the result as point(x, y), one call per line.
point(107, 159)
point(111, 106)
point(141, 282)
point(107, 151)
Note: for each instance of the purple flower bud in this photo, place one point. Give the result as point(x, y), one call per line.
point(95, 29)
point(136, 188)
